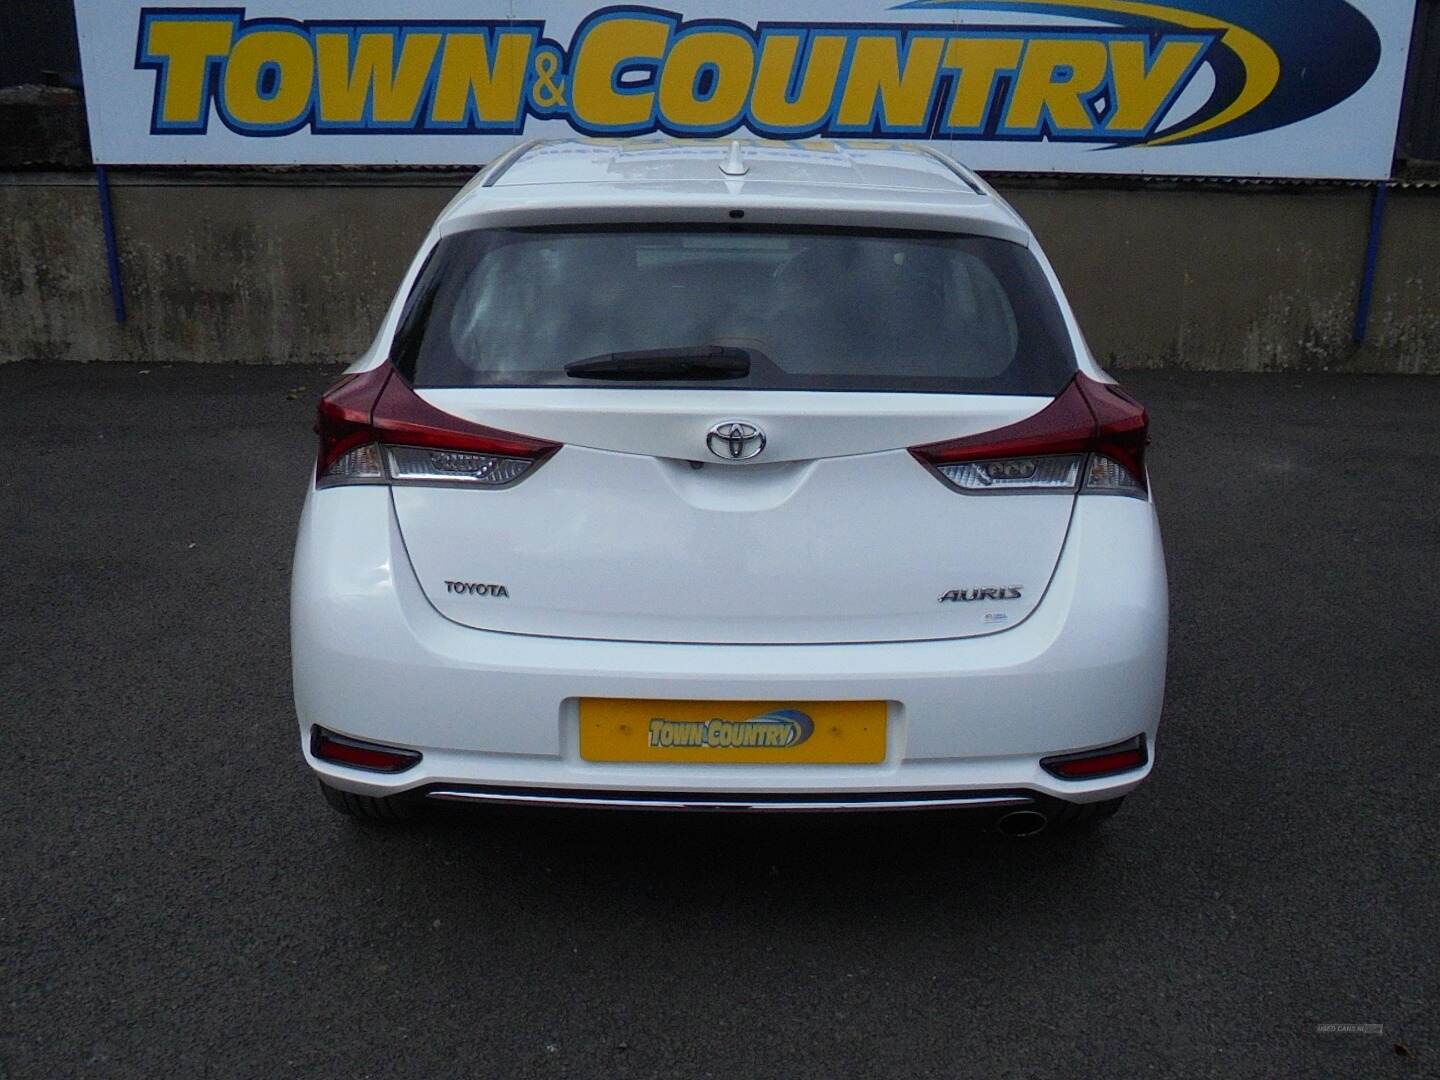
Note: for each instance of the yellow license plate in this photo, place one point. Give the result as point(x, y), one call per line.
point(735, 732)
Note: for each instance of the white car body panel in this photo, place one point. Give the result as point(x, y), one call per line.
point(631, 547)
point(799, 425)
point(837, 536)
point(374, 659)
point(813, 576)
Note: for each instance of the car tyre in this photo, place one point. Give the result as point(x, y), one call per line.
point(1083, 817)
point(385, 810)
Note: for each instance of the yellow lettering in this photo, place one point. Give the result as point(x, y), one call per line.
point(1141, 94)
point(726, 59)
point(294, 74)
point(186, 46)
point(903, 98)
point(979, 61)
point(468, 73)
point(769, 103)
point(1054, 75)
point(392, 89)
point(609, 45)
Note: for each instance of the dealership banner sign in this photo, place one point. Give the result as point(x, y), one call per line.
point(1284, 88)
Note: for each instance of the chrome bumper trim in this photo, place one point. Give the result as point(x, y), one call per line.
point(741, 803)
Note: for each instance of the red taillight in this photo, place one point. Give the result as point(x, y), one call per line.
point(1090, 438)
point(359, 754)
point(1088, 764)
point(1122, 427)
point(343, 418)
point(403, 418)
point(375, 429)
point(1065, 426)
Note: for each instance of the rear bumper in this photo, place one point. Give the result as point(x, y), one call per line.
point(499, 712)
point(719, 801)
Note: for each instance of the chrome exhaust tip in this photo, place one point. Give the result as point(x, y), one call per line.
point(1021, 823)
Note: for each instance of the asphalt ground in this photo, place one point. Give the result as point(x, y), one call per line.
point(176, 900)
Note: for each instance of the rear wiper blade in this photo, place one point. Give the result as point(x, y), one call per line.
point(691, 362)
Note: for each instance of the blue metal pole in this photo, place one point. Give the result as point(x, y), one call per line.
point(112, 253)
point(1372, 255)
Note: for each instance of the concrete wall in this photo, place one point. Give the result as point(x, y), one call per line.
point(267, 272)
point(285, 268)
point(1244, 279)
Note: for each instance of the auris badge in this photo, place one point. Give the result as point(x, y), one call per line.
point(984, 592)
point(735, 440)
point(781, 728)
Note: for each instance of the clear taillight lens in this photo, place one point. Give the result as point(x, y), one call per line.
point(374, 429)
point(1016, 474)
point(1106, 476)
point(358, 466)
point(417, 464)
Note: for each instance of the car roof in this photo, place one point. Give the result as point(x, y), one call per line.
point(854, 182)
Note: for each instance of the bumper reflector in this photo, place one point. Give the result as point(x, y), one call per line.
point(360, 755)
point(1103, 761)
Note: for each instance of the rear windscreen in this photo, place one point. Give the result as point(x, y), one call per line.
point(813, 310)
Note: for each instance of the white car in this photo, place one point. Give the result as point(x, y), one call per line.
point(730, 476)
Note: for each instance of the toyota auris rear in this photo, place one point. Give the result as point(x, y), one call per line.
point(730, 476)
